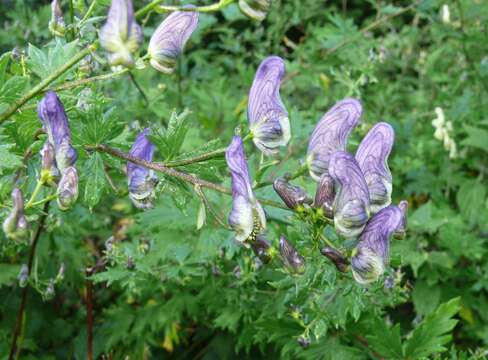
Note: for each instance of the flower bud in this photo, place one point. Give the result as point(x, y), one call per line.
point(292, 259)
point(292, 196)
point(121, 35)
point(170, 38)
point(50, 292)
point(339, 260)
point(255, 9)
point(261, 248)
point(56, 24)
point(402, 229)
point(49, 171)
point(324, 196)
point(141, 180)
point(15, 225)
point(68, 188)
point(304, 342)
point(23, 276)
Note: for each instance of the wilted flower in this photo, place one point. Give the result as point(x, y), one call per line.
point(339, 260)
point(371, 255)
point(324, 196)
point(15, 225)
point(56, 24)
point(68, 188)
point(268, 118)
point(49, 171)
point(331, 135)
point(121, 35)
point(351, 204)
point(292, 259)
point(402, 229)
point(293, 196)
point(142, 181)
point(372, 157)
point(255, 9)
point(261, 248)
point(170, 38)
point(247, 217)
point(55, 122)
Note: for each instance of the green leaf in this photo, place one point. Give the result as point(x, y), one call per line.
point(385, 340)
point(8, 273)
point(476, 137)
point(170, 140)
point(471, 198)
point(95, 180)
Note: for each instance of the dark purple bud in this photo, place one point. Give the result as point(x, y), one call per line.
point(303, 341)
point(56, 24)
point(55, 122)
point(268, 118)
point(293, 196)
point(169, 39)
point(131, 265)
point(371, 255)
point(121, 35)
point(23, 276)
point(68, 188)
point(402, 229)
point(324, 196)
point(15, 226)
point(261, 248)
point(330, 135)
point(337, 258)
point(372, 157)
point(247, 217)
point(255, 9)
point(292, 259)
point(351, 204)
point(141, 180)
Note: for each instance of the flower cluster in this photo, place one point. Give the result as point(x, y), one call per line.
point(443, 132)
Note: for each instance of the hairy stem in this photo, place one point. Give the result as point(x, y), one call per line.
point(199, 158)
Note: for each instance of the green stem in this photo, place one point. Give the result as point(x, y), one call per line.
point(34, 194)
point(302, 170)
point(89, 12)
point(43, 201)
point(197, 159)
point(208, 8)
point(76, 83)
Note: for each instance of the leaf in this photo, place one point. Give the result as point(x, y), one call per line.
point(170, 140)
point(430, 336)
point(425, 297)
point(385, 340)
point(471, 198)
point(95, 180)
point(8, 273)
point(476, 138)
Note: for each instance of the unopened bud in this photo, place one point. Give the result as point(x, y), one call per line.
point(293, 196)
point(402, 229)
point(130, 263)
point(292, 259)
point(303, 341)
point(49, 171)
point(56, 24)
point(255, 9)
point(23, 276)
point(324, 197)
point(261, 248)
point(15, 225)
point(68, 188)
point(50, 292)
point(339, 260)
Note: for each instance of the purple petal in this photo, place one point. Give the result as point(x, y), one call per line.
point(351, 204)
point(372, 157)
point(15, 226)
point(67, 188)
point(293, 196)
point(331, 135)
point(169, 39)
point(324, 196)
point(267, 115)
point(292, 259)
point(337, 258)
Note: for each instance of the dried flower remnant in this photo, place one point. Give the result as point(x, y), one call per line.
point(331, 134)
point(268, 118)
point(371, 255)
point(15, 226)
point(352, 203)
point(255, 9)
point(169, 39)
point(372, 157)
point(121, 36)
point(68, 188)
point(141, 181)
point(56, 24)
point(247, 217)
point(324, 196)
point(293, 196)
point(291, 258)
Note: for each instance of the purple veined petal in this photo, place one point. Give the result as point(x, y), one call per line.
point(247, 217)
point(324, 196)
point(372, 252)
point(141, 180)
point(268, 118)
point(351, 204)
point(402, 229)
point(55, 122)
point(337, 258)
point(255, 9)
point(121, 36)
point(170, 38)
point(67, 188)
point(15, 226)
point(331, 134)
point(292, 259)
point(293, 196)
point(372, 157)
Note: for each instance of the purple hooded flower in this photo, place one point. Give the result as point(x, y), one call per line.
point(68, 188)
point(402, 229)
point(292, 259)
point(247, 217)
point(142, 181)
point(255, 9)
point(121, 35)
point(331, 135)
point(267, 115)
point(55, 122)
point(15, 225)
point(351, 204)
point(371, 255)
point(339, 260)
point(170, 38)
point(292, 196)
point(324, 196)
point(372, 157)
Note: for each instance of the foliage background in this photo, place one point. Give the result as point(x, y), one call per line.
point(189, 293)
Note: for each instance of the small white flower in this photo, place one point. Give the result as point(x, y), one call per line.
point(445, 14)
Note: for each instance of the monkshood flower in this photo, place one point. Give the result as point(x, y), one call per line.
point(292, 259)
point(371, 255)
point(170, 38)
point(372, 157)
point(293, 196)
point(255, 9)
point(55, 122)
point(324, 196)
point(262, 248)
point(121, 35)
point(56, 24)
point(268, 118)
point(67, 188)
point(402, 229)
point(330, 135)
point(142, 181)
point(49, 171)
point(339, 260)
point(15, 225)
point(247, 217)
point(351, 204)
